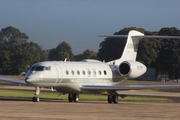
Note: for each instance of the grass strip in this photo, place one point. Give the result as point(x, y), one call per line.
point(93, 97)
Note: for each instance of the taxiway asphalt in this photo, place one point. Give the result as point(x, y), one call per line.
point(23, 109)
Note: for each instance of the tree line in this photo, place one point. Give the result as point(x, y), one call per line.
point(17, 54)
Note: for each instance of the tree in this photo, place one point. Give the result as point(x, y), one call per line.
point(149, 49)
point(5, 62)
point(87, 54)
point(16, 53)
point(169, 31)
point(11, 36)
point(62, 51)
point(44, 55)
point(22, 56)
point(52, 54)
point(169, 58)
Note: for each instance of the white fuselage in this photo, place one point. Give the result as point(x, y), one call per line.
point(70, 76)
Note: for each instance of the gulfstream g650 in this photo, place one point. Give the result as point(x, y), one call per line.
point(91, 76)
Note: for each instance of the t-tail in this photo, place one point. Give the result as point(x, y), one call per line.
point(127, 65)
point(131, 47)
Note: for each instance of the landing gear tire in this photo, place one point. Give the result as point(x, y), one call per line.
point(109, 99)
point(35, 99)
point(115, 99)
point(73, 97)
point(112, 98)
point(70, 97)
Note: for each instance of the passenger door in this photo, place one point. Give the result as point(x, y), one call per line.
point(59, 74)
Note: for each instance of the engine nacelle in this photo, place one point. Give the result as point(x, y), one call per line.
point(131, 69)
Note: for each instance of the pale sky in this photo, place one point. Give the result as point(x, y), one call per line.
point(78, 22)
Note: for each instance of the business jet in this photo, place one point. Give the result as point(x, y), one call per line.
point(91, 76)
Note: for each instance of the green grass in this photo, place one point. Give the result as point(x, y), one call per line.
point(146, 99)
point(56, 96)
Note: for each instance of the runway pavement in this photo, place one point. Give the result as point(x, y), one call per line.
point(23, 109)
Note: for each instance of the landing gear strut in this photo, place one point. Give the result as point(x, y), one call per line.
point(73, 97)
point(112, 98)
point(36, 98)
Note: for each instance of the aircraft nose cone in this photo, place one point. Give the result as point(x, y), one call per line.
point(34, 79)
point(30, 80)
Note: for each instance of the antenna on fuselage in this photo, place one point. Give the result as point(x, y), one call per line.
point(65, 59)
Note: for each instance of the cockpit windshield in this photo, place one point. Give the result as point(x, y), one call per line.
point(33, 68)
point(40, 68)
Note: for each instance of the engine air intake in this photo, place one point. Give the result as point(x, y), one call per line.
point(124, 68)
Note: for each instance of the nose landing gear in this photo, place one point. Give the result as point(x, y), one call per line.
point(36, 98)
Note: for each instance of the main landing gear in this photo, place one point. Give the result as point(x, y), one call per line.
point(73, 97)
point(36, 98)
point(112, 98)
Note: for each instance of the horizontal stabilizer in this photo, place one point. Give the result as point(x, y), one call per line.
point(140, 36)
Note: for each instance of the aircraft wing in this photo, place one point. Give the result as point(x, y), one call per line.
point(133, 87)
point(13, 80)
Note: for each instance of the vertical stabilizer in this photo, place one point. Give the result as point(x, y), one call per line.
point(131, 47)
point(130, 50)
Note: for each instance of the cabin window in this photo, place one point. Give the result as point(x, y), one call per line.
point(78, 72)
point(99, 72)
point(83, 72)
point(105, 72)
point(89, 72)
point(72, 72)
point(94, 72)
point(67, 72)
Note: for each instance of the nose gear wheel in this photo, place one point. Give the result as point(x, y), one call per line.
point(36, 98)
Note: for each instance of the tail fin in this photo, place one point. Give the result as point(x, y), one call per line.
point(130, 50)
